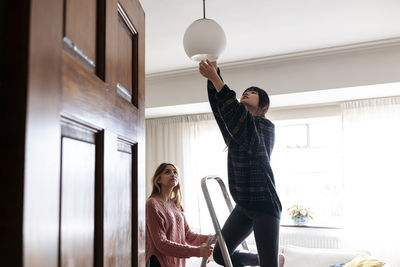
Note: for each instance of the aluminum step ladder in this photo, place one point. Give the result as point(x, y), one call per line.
point(214, 219)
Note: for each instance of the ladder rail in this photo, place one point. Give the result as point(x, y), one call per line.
point(221, 241)
point(226, 198)
point(214, 219)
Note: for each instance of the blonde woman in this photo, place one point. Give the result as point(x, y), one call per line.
point(169, 239)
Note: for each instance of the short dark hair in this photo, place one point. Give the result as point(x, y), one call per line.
point(263, 99)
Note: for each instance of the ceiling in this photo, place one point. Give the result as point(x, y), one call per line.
point(261, 28)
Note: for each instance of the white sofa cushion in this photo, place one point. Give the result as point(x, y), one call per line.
point(317, 257)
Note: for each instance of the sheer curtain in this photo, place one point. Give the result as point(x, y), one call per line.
point(195, 145)
point(371, 134)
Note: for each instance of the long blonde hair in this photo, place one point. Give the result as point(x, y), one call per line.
point(176, 194)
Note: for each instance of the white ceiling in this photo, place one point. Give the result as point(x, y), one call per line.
point(260, 28)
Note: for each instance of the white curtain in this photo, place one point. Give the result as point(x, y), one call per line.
point(371, 134)
point(195, 145)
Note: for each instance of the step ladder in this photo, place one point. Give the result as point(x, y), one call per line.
point(214, 219)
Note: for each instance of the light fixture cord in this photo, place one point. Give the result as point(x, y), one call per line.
point(204, 9)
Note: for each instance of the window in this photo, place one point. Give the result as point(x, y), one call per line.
point(308, 169)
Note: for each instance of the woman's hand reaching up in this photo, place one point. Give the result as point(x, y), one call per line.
point(209, 70)
point(214, 64)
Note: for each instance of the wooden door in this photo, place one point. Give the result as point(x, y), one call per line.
point(80, 195)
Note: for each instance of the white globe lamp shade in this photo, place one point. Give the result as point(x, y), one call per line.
point(204, 39)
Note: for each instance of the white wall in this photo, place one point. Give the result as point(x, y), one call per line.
point(340, 67)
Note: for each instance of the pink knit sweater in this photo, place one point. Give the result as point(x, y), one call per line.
point(168, 236)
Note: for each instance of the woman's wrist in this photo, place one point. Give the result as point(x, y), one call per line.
point(218, 83)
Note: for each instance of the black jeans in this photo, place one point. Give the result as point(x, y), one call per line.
point(153, 262)
point(238, 226)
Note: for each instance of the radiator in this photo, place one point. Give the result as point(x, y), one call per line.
point(311, 237)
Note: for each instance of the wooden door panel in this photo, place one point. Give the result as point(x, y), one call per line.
point(127, 42)
point(80, 26)
point(118, 231)
point(124, 73)
point(125, 32)
point(77, 203)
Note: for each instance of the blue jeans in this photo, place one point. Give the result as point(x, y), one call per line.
point(238, 226)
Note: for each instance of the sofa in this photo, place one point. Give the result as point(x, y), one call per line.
point(306, 257)
point(323, 257)
point(196, 262)
point(316, 257)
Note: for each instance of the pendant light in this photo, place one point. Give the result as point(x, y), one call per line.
point(204, 38)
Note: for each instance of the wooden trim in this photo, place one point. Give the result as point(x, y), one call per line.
point(125, 17)
point(123, 92)
point(99, 202)
point(78, 53)
point(135, 207)
point(101, 39)
point(135, 69)
point(125, 146)
point(14, 36)
point(79, 131)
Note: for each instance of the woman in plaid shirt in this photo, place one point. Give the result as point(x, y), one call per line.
point(249, 137)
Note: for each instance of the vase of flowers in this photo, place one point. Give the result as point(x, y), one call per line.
point(299, 214)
